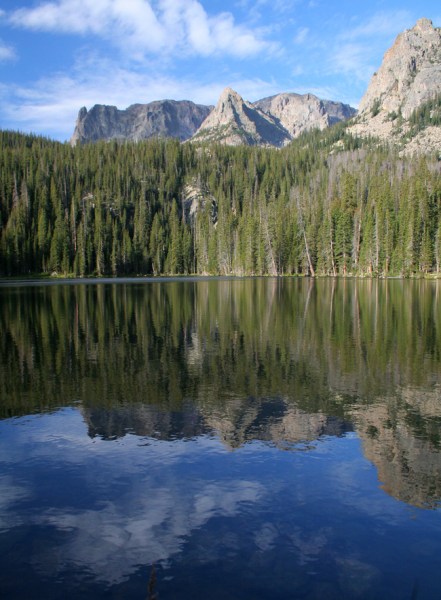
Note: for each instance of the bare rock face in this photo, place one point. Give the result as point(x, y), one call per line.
point(298, 113)
point(409, 76)
point(195, 198)
point(234, 122)
point(164, 118)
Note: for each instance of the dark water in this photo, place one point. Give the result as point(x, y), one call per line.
point(224, 439)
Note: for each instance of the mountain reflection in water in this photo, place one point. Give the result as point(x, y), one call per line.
point(284, 361)
point(193, 396)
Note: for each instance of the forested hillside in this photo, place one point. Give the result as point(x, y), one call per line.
point(325, 205)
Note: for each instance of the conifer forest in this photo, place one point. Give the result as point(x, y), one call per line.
point(327, 204)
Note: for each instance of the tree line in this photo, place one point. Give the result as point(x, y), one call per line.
point(325, 205)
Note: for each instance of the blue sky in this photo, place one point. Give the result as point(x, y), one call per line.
point(59, 55)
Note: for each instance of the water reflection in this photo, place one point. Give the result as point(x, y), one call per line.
point(91, 516)
point(91, 521)
point(282, 361)
point(253, 419)
point(401, 436)
point(237, 434)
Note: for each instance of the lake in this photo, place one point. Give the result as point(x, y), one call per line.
point(220, 438)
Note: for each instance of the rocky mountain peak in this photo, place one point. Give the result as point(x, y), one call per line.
point(230, 95)
point(424, 24)
point(408, 78)
point(230, 105)
point(234, 121)
point(410, 73)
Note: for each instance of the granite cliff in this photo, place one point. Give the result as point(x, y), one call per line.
point(163, 118)
point(273, 121)
point(409, 77)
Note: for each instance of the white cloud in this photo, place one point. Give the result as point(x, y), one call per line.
point(86, 16)
point(6, 52)
point(279, 6)
point(140, 26)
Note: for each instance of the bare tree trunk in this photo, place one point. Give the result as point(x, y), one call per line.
point(311, 268)
point(302, 227)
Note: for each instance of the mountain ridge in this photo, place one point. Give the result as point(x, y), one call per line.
point(160, 118)
point(271, 121)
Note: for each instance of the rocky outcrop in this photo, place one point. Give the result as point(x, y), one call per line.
point(234, 122)
point(409, 76)
point(298, 113)
point(196, 198)
point(164, 118)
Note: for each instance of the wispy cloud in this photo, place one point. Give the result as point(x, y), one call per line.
point(352, 59)
point(358, 48)
point(140, 27)
point(279, 6)
point(383, 24)
point(6, 52)
point(301, 35)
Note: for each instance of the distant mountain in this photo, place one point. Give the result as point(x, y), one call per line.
point(408, 78)
point(234, 121)
point(163, 118)
point(298, 113)
point(272, 121)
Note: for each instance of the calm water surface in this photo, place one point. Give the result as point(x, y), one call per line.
point(223, 439)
